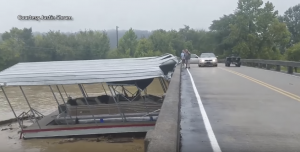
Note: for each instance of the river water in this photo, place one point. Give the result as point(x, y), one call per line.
point(42, 100)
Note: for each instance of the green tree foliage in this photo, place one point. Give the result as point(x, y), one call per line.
point(128, 43)
point(254, 30)
point(19, 45)
point(257, 33)
point(221, 29)
point(293, 53)
point(162, 41)
point(144, 48)
point(9, 53)
point(291, 18)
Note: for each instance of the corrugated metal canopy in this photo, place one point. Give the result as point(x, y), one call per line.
point(83, 71)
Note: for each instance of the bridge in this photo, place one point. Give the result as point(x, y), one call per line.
point(255, 107)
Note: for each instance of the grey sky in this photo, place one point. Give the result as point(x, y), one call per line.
point(107, 14)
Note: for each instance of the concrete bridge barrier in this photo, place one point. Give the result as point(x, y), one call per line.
point(166, 136)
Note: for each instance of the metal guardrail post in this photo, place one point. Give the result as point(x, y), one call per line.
point(290, 70)
point(292, 66)
point(278, 68)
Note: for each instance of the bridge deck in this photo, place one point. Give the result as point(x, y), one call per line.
point(247, 109)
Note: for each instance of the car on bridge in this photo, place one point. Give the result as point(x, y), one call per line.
point(233, 59)
point(208, 59)
point(194, 59)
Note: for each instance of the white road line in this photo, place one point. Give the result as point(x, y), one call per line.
point(213, 141)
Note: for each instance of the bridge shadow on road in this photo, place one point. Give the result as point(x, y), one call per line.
point(194, 137)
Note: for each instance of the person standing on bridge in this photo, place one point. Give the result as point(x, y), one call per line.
point(187, 56)
point(182, 58)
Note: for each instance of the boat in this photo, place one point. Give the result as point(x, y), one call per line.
point(116, 111)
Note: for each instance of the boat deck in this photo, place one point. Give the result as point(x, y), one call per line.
point(51, 130)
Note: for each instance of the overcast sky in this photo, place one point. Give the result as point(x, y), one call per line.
point(107, 14)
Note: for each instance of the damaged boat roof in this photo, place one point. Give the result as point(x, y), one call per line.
point(84, 71)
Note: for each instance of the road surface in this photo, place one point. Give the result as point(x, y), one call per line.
point(239, 109)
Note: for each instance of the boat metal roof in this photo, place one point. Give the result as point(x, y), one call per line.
point(83, 71)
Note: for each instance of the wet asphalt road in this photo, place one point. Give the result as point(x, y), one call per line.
point(246, 113)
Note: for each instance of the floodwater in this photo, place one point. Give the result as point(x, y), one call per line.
point(10, 142)
point(42, 100)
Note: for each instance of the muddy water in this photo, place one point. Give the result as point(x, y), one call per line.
point(10, 142)
point(42, 100)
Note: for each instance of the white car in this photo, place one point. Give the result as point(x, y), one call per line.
point(207, 59)
point(194, 59)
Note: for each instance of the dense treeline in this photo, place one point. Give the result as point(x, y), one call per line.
point(254, 30)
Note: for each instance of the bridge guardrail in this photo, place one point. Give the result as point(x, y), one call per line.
point(165, 137)
point(270, 64)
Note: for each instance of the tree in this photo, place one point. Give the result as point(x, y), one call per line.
point(10, 52)
point(274, 36)
point(220, 31)
point(91, 44)
point(161, 41)
point(43, 51)
point(144, 48)
point(177, 42)
point(23, 37)
point(257, 33)
point(128, 43)
point(243, 33)
point(291, 18)
point(293, 53)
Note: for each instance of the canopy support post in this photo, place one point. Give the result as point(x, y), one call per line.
point(80, 87)
point(12, 109)
point(103, 88)
point(64, 90)
point(63, 100)
point(137, 94)
point(84, 90)
point(58, 103)
point(164, 82)
point(163, 87)
point(30, 107)
point(116, 102)
point(144, 99)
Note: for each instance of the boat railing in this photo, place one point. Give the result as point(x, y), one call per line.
point(127, 107)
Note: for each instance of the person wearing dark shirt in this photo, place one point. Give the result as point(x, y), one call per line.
point(187, 56)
